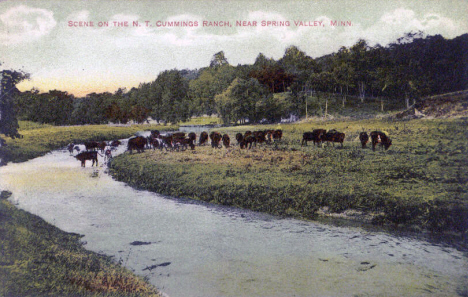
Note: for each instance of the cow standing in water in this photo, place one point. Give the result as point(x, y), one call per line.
point(70, 148)
point(91, 155)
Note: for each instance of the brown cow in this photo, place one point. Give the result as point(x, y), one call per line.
point(92, 155)
point(260, 136)
point(239, 138)
point(249, 140)
point(334, 136)
point(102, 146)
point(315, 136)
point(137, 143)
point(183, 143)
point(364, 138)
point(192, 136)
point(91, 145)
point(277, 135)
point(215, 139)
point(269, 135)
point(226, 140)
point(380, 137)
point(115, 143)
point(178, 135)
point(203, 138)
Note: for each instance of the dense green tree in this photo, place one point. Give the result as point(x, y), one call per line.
point(8, 81)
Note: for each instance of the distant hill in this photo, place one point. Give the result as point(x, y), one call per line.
point(439, 106)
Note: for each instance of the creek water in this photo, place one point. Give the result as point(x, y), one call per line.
point(196, 249)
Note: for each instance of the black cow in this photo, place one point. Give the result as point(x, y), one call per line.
point(277, 135)
point(137, 143)
point(364, 138)
point(380, 137)
point(203, 138)
point(334, 136)
point(239, 138)
point(226, 140)
point(215, 139)
point(183, 143)
point(192, 136)
point(249, 140)
point(91, 155)
point(91, 145)
point(315, 136)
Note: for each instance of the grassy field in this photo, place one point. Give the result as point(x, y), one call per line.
point(421, 181)
point(39, 139)
point(38, 259)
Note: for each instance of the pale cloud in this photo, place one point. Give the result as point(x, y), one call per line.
point(395, 24)
point(25, 24)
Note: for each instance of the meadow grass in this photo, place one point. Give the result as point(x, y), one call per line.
point(203, 120)
point(39, 139)
point(38, 259)
point(421, 181)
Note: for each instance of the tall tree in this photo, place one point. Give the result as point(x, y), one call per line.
point(219, 59)
point(8, 81)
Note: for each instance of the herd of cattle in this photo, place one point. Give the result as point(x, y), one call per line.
point(180, 141)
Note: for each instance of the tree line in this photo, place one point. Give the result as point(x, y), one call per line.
point(409, 68)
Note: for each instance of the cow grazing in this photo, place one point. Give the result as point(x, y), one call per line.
point(364, 138)
point(277, 135)
point(315, 136)
point(166, 140)
point(226, 140)
point(215, 139)
point(91, 145)
point(260, 136)
point(269, 135)
point(178, 135)
point(380, 137)
point(137, 143)
point(248, 141)
point(90, 155)
point(203, 138)
point(183, 143)
point(192, 136)
point(334, 136)
point(239, 138)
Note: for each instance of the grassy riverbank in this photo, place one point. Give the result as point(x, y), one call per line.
point(421, 181)
point(38, 259)
point(40, 139)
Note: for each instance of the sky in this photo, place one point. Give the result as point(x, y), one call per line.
point(47, 40)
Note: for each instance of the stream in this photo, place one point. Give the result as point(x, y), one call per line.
point(188, 248)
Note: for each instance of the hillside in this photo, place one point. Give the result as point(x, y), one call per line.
point(440, 106)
